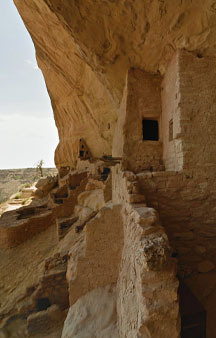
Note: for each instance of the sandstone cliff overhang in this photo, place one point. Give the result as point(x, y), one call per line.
point(84, 49)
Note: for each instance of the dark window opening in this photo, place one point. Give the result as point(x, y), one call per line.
point(87, 152)
point(170, 130)
point(81, 153)
point(82, 146)
point(150, 130)
point(105, 173)
point(43, 304)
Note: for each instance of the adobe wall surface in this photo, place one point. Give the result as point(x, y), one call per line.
point(197, 76)
point(186, 205)
point(188, 101)
point(97, 264)
point(141, 100)
point(147, 300)
point(14, 231)
point(171, 116)
point(186, 118)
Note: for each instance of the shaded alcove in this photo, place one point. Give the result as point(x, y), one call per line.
point(42, 304)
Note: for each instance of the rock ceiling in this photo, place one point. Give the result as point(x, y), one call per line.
point(85, 47)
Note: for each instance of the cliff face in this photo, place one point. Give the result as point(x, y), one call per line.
point(85, 48)
point(135, 79)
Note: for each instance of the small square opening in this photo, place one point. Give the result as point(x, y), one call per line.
point(150, 130)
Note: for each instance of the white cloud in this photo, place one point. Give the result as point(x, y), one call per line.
point(32, 64)
point(25, 140)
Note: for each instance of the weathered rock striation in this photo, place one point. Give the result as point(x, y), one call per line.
point(132, 212)
point(85, 48)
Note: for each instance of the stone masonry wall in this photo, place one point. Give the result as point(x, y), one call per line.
point(186, 205)
point(197, 77)
point(188, 112)
point(141, 100)
point(171, 128)
point(96, 263)
point(147, 303)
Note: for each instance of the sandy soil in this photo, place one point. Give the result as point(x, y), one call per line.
point(21, 267)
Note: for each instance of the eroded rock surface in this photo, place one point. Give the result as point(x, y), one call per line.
point(85, 48)
point(93, 315)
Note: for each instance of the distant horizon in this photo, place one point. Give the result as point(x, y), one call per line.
point(27, 127)
point(27, 168)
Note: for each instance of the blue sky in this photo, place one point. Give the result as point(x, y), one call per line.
point(27, 129)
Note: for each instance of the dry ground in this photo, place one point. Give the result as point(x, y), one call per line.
point(21, 267)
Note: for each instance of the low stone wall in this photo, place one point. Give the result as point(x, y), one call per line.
point(95, 261)
point(147, 286)
point(22, 224)
point(67, 205)
point(13, 231)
